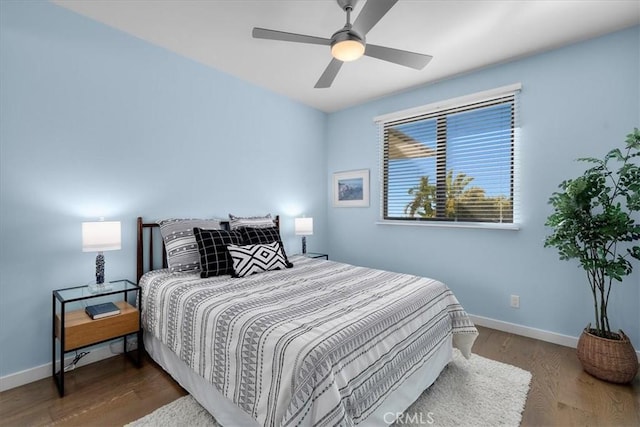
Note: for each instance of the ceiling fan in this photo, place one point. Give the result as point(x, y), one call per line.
point(349, 43)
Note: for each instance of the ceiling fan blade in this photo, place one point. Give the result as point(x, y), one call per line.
point(402, 57)
point(371, 13)
point(329, 74)
point(263, 33)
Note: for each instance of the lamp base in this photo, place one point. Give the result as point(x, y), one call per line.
point(98, 288)
point(100, 268)
point(304, 245)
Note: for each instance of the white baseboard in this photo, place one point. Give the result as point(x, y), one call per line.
point(526, 331)
point(27, 376)
point(99, 353)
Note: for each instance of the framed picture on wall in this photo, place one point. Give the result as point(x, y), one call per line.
point(351, 189)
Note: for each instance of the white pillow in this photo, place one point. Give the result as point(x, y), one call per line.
point(252, 259)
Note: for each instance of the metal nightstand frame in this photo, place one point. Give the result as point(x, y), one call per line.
point(57, 295)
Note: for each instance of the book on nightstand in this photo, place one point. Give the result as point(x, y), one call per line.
point(99, 311)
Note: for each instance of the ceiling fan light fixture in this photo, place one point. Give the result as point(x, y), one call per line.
point(349, 43)
point(347, 50)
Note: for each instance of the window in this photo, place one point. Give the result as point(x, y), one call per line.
point(452, 162)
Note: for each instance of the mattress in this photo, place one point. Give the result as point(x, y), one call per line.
point(322, 343)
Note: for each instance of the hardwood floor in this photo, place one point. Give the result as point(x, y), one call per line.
point(561, 393)
point(113, 392)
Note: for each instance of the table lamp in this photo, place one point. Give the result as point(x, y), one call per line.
point(304, 227)
point(100, 236)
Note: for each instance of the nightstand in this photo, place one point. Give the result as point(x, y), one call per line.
point(74, 329)
point(316, 255)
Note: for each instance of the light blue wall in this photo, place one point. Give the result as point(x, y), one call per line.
point(576, 101)
point(95, 123)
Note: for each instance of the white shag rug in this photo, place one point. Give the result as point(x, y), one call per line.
point(475, 392)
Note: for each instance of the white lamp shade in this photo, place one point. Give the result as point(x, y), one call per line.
point(304, 226)
point(101, 236)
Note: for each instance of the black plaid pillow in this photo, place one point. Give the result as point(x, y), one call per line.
point(214, 256)
point(263, 236)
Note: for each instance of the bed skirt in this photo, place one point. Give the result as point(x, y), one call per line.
point(228, 414)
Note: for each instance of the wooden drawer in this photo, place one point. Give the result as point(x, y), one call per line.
point(81, 330)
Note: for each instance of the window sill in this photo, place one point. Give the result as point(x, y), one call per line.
point(486, 226)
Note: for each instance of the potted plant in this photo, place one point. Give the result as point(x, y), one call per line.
point(592, 223)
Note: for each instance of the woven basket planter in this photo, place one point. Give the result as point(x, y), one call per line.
point(608, 359)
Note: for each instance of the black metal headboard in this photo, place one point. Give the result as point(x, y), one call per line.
point(148, 244)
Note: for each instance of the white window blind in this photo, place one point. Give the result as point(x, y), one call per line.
point(454, 161)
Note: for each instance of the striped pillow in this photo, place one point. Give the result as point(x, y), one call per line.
point(253, 259)
point(236, 222)
point(180, 243)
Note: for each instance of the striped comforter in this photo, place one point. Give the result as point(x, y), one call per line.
point(321, 343)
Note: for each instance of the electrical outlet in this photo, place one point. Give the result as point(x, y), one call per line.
point(515, 301)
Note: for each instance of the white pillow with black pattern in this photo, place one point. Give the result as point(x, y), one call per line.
point(180, 243)
point(236, 222)
point(262, 236)
point(253, 259)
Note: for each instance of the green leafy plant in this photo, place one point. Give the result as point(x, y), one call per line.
point(461, 202)
point(592, 222)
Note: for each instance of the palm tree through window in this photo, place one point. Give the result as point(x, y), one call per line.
point(452, 165)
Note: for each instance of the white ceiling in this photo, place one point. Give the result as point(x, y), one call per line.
point(460, 35)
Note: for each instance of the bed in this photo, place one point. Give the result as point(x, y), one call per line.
point(321, 343)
